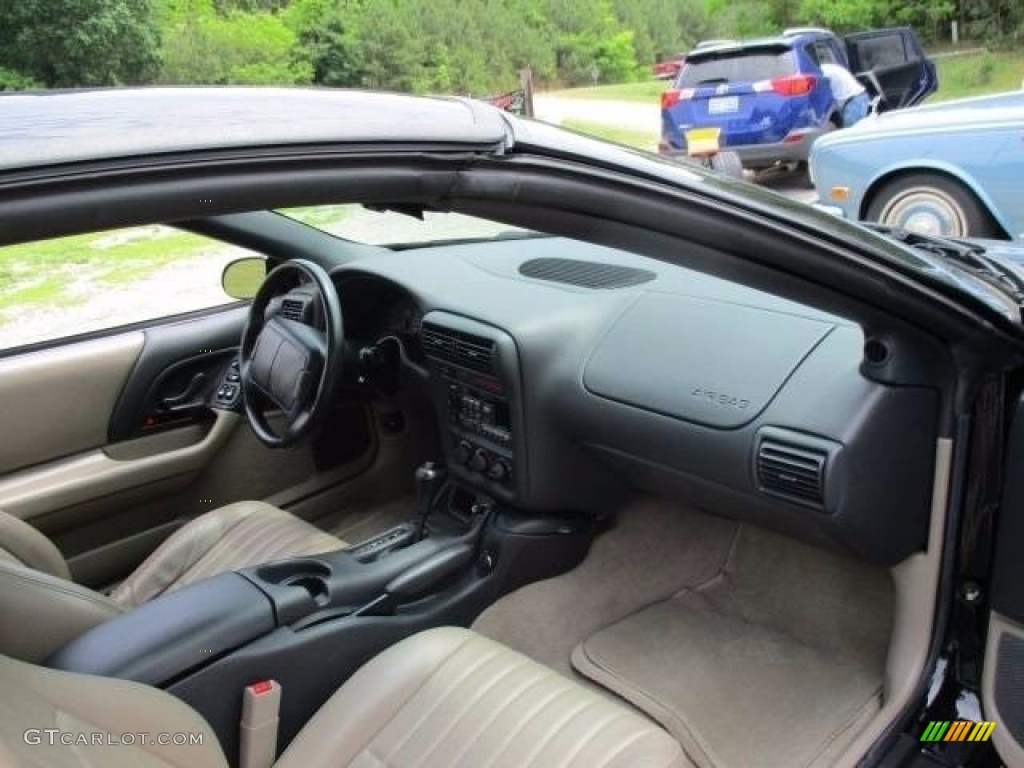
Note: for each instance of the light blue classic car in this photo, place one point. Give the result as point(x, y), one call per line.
point(955, 168)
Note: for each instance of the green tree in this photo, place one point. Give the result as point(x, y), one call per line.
point(15, 81)
point(64, 43)
point(326, 38)
point(203, 46)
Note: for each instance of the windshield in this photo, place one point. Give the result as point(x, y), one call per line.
point(392, 228)
point(737, 66)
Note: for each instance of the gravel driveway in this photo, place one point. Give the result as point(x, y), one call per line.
point(186, 285)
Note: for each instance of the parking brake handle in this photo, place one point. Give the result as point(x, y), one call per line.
point(421, 578)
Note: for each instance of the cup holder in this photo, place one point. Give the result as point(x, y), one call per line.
point(310, 575)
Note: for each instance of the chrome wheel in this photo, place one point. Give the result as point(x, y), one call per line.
point(932, 204)
point(928, 210)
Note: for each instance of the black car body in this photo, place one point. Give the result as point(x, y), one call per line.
point(642, 328)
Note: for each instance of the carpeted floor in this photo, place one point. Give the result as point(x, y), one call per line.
point(654, 551)
point(751, 648)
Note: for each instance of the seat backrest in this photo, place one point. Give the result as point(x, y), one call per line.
point(22, 544)
point(65, 720)
point(39, 612)
point(40, 607)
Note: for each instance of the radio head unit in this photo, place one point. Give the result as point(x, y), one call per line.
point(475, 378)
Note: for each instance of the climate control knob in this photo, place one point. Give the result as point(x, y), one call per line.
point(463, 452)
point(480, 460)
point(498, 471)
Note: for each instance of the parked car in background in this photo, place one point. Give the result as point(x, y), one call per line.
point(768, 100)
point(668, 69)
point(945, 169)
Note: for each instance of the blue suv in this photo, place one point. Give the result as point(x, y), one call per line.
point(767, 99)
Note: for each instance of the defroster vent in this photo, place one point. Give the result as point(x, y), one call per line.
point(585, 274)
point(792, 470)
point(465, 349)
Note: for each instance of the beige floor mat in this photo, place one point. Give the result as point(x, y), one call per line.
point(655, 550)
point(775, 663)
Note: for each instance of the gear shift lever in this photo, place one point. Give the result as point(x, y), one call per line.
point(430, 478)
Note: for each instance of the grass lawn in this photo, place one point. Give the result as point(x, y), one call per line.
point(64, 271)
point(45, 273)
point(978, 74)
point(646, 90)
point(320, 216)
point(639, 139)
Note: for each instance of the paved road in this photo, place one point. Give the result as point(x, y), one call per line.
point(645, 118)
point(792, 185)
point(631, 115)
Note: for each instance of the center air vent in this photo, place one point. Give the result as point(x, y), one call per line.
point(293, 309)
point(459, 347)
point(585, 274)
point(792, 469)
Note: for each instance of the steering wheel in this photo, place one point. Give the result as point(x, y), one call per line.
point(287, 364)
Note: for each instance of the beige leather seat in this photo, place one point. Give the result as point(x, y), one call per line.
point(41, 608)
point(444, 698)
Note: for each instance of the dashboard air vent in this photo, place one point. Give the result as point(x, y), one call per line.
point(585, 274)
point(293, 309)
point(465, 349)
point(795, 472)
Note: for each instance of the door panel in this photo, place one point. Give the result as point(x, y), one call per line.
point(39, 490)
point(112, 443)
point(58, 401)
point(1003, 674)
point(179, 361)
point(891, 61)
point(1003, 687)
point(84, 459)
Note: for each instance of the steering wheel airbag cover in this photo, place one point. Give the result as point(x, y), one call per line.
point(282, 368)
point(289, 364)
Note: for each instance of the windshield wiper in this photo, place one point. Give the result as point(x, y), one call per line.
point(710, 80)
point(965, 255)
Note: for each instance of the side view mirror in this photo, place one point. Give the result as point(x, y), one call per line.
point(242, 278)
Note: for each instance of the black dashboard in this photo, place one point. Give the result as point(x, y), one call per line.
point(565, 374)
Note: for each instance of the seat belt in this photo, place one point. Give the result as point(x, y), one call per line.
point(257, 742)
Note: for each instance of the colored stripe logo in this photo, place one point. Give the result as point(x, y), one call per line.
point(958, 730)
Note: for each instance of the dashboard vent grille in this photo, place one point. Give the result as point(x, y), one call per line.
point(795, 472)
point(293, 309)
point(585, 274)
point(465, 349)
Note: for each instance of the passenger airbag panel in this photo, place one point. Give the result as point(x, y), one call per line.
point(701, 361)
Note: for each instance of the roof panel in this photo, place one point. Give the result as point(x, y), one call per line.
point(46, 128)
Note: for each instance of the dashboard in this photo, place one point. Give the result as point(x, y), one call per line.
point(376, 308)
point(565, 375)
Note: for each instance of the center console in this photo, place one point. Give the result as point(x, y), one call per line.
point(308, 623)
point(477, 388)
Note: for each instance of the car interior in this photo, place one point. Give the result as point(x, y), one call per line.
point(533, 499)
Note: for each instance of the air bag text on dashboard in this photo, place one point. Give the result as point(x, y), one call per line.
point(720, 398)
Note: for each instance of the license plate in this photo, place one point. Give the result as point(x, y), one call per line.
point(723, 104)
point(702, 141)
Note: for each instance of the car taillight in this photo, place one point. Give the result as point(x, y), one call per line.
point(794, 85)
point(672, 97)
